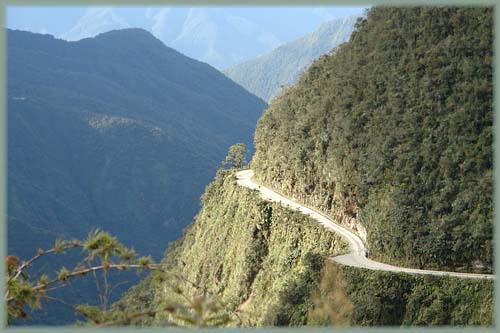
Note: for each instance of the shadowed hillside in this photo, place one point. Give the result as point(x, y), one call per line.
point(118, 132)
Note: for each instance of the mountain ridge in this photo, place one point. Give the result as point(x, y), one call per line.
point(113, 132)
point(267, 74)
point(393, 133)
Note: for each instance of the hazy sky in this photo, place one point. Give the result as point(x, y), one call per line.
point(206, 33)
point(57, 20)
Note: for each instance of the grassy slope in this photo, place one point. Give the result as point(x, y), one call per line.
point(241, 247)
point(269, 259)
point(383, 298)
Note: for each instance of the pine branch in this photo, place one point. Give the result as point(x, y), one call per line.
point(40, 254)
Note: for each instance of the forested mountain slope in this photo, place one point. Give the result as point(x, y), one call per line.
point(251, 253)
point(394, 132)
point(265, 75)
point(266, 265)
point(118, 132)
point(391, 135)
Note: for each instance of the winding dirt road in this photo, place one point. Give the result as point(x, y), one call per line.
point(357, 257)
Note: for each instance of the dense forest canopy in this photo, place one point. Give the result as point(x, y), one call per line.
point(395, 128)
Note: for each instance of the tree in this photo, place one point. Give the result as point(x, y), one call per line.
point(236, 156)
point(103, 252)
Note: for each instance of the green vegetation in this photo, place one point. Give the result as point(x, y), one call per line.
point(118, 132)
point(392, 130)
point(296, 289)
point(101, 253)
point(387, 299)
point(260, 260)
point(395, 129)
point(267, 74)
point(236, 156)
point(265, 266)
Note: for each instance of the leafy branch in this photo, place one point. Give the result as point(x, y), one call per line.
point(102, 253)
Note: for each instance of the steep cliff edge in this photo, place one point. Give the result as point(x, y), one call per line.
point(266, 265)
point(253, 255)
point(392, 136)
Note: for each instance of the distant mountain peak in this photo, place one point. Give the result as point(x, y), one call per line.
point(129, 38)
point(266, 74)
point(95, 21)
point(127, 32)
point(131, 35)
point(117, 131)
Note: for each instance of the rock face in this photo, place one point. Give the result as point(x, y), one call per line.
point(267, 75)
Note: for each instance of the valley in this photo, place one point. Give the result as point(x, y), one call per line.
point(344, 178)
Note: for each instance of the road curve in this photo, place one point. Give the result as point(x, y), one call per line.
point(357, 256)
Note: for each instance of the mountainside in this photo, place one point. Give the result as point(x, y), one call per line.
point(393, 134)
point(265, 265)
point(253, 255)
point(118, 132)
point(390, 135)
point(95, 21)
point(265, 75)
